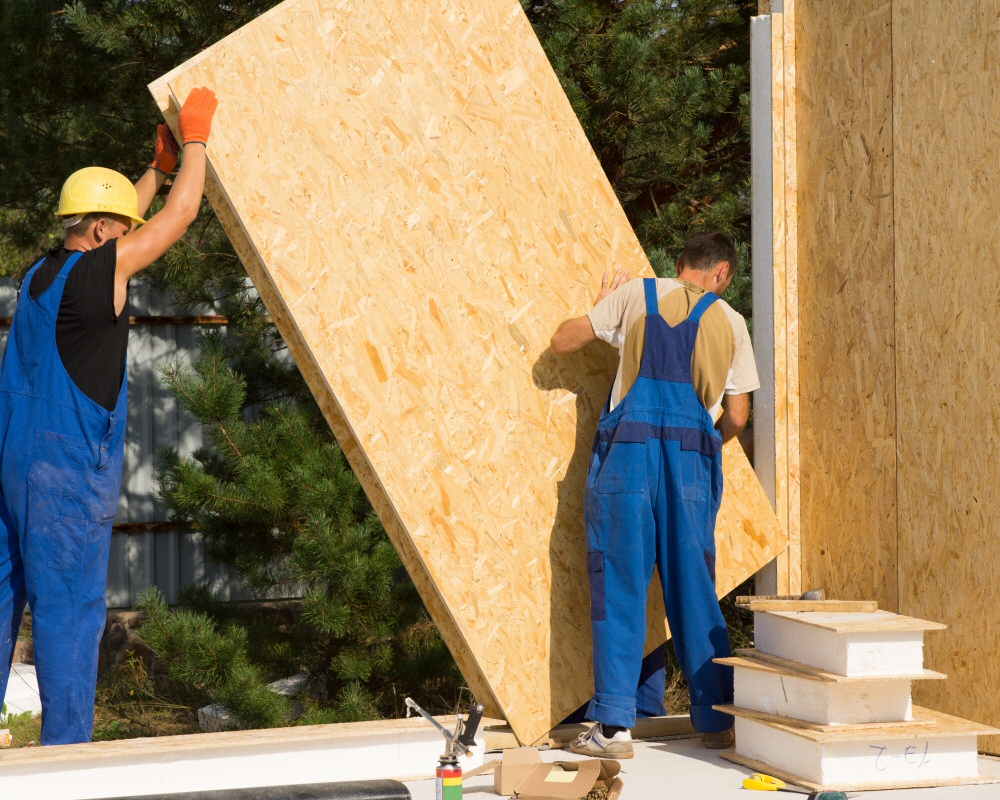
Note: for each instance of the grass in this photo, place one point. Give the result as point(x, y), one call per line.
point(24, 728)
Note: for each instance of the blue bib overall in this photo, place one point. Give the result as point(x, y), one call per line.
point(61, 459)
point(653, 493)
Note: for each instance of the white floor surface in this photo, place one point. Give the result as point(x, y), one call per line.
point(681, 769)
point(22, 690)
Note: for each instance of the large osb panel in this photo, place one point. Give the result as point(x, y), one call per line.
point(845, 297)
point(946, 58)
point(414, 198)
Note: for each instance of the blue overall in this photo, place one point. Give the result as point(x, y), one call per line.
point(60, 472)
point(653, 493)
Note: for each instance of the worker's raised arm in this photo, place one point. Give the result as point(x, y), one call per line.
point(164, 162)
point(735, 415)
point(140, 249)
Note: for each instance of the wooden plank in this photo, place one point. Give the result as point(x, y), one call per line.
point(501, 737)
point(926, 724)
point(765, 662)
point(163, 746)
point(947, 179)
point(760, 766)
point(790, 189)
point(846, 311)
point(779, 287)
point(418, 206)
point(774, 604)
point(219, 762)
point(863, 728)
point(875, 622)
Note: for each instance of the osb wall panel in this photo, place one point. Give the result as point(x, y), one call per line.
point(845, 297)
point(946, 57)
point(779, 220)
point(786, 309)
point(790, 189)
point(414, 198)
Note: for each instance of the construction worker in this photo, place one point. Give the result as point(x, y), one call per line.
point(655, 482)
point(63, 405)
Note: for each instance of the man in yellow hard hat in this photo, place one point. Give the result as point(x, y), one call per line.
point(63, 401)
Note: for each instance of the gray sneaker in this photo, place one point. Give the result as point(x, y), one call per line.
point(594, 743)
point(719, 740)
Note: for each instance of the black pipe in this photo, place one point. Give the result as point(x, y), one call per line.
point(345, 790)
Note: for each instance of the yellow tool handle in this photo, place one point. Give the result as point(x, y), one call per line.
point(763, 783)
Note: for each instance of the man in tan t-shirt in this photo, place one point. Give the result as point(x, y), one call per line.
point(655, 481)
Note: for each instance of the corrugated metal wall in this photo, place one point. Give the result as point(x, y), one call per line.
point(145, 549)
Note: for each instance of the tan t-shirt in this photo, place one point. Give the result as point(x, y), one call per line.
point(723, 361)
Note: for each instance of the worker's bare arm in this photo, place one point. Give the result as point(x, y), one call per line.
point(579, 332)
point(146, 187)
point(140, 249)
point(572, 335)
point(735, 415)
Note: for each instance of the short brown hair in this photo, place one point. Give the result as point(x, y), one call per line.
point(704, 251)
point(82, 228)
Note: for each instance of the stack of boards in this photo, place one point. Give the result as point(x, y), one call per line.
point(824, 701)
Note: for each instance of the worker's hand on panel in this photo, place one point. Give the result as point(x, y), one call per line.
point(165, 160)
point(196, 115)
point(609, 283)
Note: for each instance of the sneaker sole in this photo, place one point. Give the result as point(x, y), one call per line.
point(583, 751)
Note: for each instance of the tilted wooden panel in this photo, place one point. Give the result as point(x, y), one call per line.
point(845, 286)
point(946, 58)
point(418, 206)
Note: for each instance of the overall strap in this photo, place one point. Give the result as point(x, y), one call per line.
point(68, 266)
point(34, 268)
point(702, 307)
point(652, 303)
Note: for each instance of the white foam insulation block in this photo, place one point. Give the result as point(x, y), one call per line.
point(823, 702)
point(869, 763)
point(852, 644)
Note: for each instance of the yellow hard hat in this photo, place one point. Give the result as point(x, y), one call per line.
point(94, 189)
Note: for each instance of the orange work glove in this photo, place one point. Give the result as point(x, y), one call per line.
point(166, 151)
point(196, 115)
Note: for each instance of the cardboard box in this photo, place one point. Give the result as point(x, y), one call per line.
point(522, 773)
point(571, 780)
point(515, 767)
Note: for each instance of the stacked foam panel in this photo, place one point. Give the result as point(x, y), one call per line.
point(825, 701)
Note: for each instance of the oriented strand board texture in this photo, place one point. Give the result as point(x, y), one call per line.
point(785, 302)
point(414, 198)
point(946, 58)
point(790, 188)
point(779, 219)
point(845, 298)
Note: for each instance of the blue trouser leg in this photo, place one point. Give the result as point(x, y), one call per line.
point(685, 521)
point(652, 686)
point(66, 565)
point(12, 597)
point(620, 557)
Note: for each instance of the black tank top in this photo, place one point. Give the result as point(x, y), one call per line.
point(92, 340)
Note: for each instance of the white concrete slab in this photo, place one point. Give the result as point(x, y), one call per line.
point(682, 769)
point(22, 690)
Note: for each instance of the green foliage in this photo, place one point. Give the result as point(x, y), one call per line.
point(73, 91)
point(662, 90)
point(215, 662)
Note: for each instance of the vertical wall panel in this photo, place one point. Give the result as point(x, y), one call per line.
point(946, 58)
point(845, 303)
